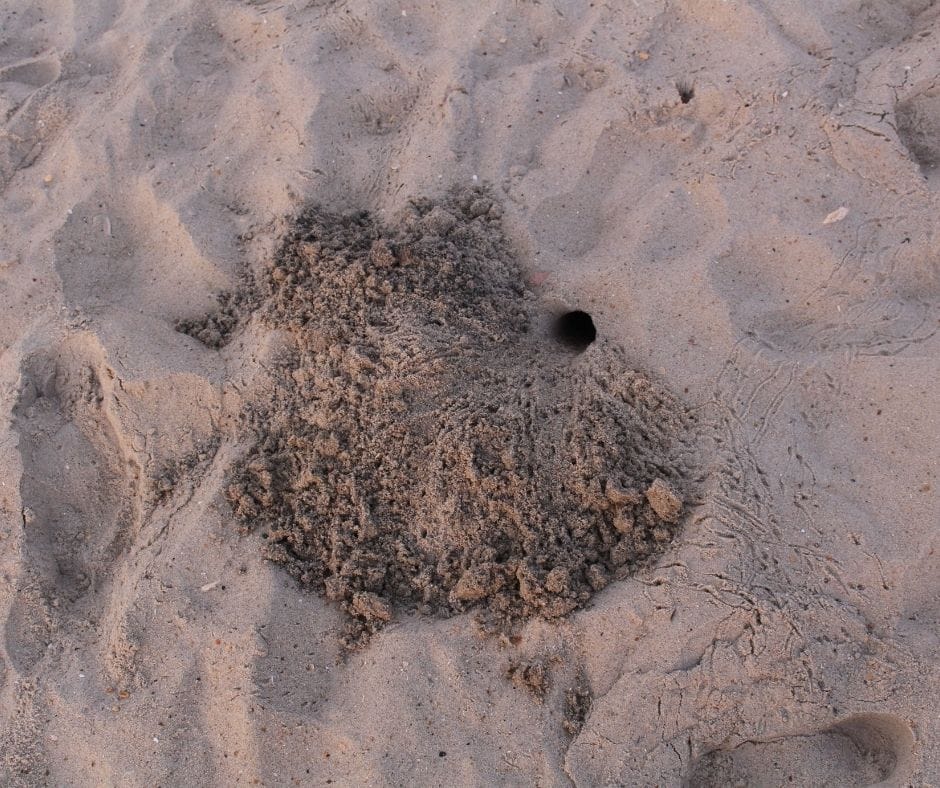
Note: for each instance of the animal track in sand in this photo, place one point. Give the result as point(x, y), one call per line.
point(424, 442)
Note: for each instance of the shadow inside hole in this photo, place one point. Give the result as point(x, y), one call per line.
point(575, 330)
point(686, 92)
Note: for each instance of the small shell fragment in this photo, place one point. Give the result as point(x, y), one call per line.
point(837, 215)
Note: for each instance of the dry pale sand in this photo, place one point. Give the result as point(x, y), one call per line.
point(744, 194)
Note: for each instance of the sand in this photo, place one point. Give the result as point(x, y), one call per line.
point(742, 195)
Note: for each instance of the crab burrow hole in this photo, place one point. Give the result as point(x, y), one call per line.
point(575, 329)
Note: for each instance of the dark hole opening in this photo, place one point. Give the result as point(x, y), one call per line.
point(575, 329)
point(686, 92)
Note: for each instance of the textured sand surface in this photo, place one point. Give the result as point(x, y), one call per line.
point(743, 194)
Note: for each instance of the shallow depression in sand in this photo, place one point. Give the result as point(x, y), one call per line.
point(427, 442)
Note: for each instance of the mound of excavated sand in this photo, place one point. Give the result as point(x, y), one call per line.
point(429, 445)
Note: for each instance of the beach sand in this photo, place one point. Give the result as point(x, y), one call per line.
point(743, 195)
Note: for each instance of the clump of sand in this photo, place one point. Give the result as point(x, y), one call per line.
point(426, 443)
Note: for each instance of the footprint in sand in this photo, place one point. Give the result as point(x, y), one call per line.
point(864, 749)
point(918, 123)
point(32, 74)
point(77, 493)
point(29, 113)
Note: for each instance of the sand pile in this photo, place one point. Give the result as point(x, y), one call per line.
point(429, 442)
